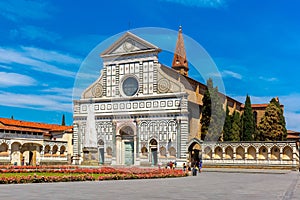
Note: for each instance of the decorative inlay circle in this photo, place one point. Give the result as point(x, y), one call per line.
point(163, 85)
point(97, 90)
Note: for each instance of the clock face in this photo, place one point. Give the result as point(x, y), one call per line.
point(130, 86)
point(128, 45)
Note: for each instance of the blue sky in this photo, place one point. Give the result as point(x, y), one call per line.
point(255, 45)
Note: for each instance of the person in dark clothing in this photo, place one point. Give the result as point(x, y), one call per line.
point(200, 166)
point(184, 167)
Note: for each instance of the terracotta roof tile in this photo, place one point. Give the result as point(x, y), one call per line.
point(256, 105)
point(292, 132)
point(293, 137)
point(38, 127)
point(15, 128)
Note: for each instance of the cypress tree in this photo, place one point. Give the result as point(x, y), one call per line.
point(213, 114)
point(206, 110)
point(248, 124)
point(281, 118)
point(227, 129)
point(272, 125)
point(63, 123)
point(236, 126)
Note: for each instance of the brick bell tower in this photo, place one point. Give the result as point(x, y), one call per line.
point(180, 63)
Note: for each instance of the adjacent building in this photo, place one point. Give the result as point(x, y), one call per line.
point(31, 143)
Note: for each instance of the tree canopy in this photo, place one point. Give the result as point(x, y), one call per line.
point(272, 126)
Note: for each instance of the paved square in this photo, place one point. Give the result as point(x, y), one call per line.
point(207, 185)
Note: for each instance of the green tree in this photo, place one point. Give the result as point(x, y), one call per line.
point(281, 117)
point(248, 124)
point(272, 125)
point(213, 114)
point(227, 134)
point(206, 110)
point(63, 121)
point(236, 127)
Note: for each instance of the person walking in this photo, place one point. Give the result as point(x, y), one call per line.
point(200, 166)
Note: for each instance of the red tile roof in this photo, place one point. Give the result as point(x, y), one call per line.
point(256, 105)
point(19, 125)
point(292, 132)
point(293, 137)
point(265, 105)
point(15, 128)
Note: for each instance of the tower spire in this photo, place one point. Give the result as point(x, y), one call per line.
point(180, 63)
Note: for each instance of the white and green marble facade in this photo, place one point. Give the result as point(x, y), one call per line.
point(135, 126)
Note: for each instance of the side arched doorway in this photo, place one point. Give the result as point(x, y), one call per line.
point(30, 153)
point(153, 151)
point(125, 144)
point(194, 150)
point(101, 151)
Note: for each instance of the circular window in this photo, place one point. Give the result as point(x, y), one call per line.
point(130, 86)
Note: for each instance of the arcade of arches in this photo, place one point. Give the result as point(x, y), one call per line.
point(250, 153)
point(32, 153)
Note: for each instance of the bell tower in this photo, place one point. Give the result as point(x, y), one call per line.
point(180, 63)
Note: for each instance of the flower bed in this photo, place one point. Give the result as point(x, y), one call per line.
point(42, 174)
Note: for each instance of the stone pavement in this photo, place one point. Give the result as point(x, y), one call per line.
point(207, 185)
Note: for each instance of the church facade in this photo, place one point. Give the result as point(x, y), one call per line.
point(141, 112)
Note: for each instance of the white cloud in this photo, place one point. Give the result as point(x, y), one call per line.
point(34, 33)
point(272, 79)
point(16, 10)
point(38, 102)
point(5, 67)
point(14, 79)
point(227, 73)
point(199, 3)
point(51, 56)
point(26, 57)
point(67, 92)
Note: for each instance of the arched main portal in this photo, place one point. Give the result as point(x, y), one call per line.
point(195, 150)
point(125, 143)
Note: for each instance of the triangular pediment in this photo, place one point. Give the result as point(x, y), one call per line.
point(128, 44)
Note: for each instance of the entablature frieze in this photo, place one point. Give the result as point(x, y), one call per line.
point(141, 56)
point(135, 106)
